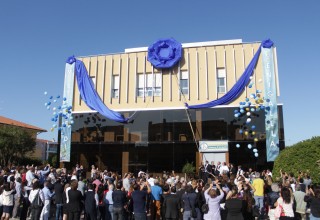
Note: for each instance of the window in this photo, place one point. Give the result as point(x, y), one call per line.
point(221, 80)
point(184, 82)
point(140, 89)
point(157, 84)
point(115, 87)
point(150, 85)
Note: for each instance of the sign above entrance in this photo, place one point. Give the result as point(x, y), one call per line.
point(213, 146)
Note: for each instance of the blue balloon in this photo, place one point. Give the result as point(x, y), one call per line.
point(253, 127)
point(64, 99)
point(247, 99)
point(240, 131)
point(58, 97)
point(50, 97)
point(236, 111)
point(49, 103)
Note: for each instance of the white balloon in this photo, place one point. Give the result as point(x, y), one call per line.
point(248, 113)
point(256, 154)
point(249, 146)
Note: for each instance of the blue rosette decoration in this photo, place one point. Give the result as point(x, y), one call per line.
point(164, 53)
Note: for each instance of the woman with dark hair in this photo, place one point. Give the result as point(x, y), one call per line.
point(286, 202)
point(65, 202)
point(75, 199)
point(313, 197)
point(234, 205)
point(7, 197)
point(248, 203)
point(213, 200)
point(36, 198)
point(101, 205)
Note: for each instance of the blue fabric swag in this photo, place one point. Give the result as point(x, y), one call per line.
point(89, 95)
point(240, 85)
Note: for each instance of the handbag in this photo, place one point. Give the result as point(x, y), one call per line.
point(255, 211)
point(205, 208)
point(278, 211)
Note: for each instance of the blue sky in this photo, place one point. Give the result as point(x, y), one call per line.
point(37, 36)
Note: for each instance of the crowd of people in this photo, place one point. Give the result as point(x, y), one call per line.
point(221, 191)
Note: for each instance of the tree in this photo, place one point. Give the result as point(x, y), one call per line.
point(188, 168)
point(303, 156)
point(15, 143)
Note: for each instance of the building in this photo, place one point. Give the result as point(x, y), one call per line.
point(164, 135)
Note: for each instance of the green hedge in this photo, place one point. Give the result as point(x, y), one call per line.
point(303, 156)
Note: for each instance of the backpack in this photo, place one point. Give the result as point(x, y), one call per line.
point(37, 202)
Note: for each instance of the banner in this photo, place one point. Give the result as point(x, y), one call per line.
point(213, 146)
point(65, 141)
point(271, 108)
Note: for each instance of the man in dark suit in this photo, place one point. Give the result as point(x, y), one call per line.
point(171, 205)
point(75, 199)
point(90, 203)
point(208, 171)
point(58, 189)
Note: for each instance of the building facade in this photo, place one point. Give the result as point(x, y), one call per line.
point(163, 133)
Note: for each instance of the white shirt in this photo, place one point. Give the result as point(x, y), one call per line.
point(224, 169)
point(7, 198)
point(126, 184)
point(33, 194)
point(151, 181)
point(29, 177)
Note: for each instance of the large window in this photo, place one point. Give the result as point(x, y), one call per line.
point(221, 80)
point(184, 82)
point(149, 84)
point(157, 84)
point(115, 86)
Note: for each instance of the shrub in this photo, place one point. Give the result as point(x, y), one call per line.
point(188, 168)
point(303, 156)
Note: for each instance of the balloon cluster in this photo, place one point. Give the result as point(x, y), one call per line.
point(247, 111)
point(255, 150)
point(64, 111)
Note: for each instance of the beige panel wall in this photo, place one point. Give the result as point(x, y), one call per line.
point(203, 76)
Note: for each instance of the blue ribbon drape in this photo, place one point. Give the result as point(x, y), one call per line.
point(240, 85)
point(89, 95)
